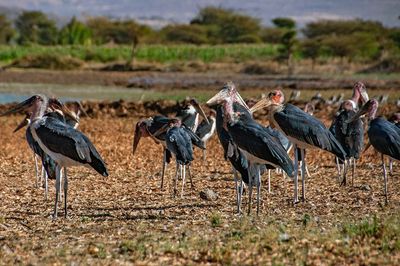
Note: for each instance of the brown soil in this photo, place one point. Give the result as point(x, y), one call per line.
point(174, 80)
point(127, 219)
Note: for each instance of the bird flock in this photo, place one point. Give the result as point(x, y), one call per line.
point(251, 148)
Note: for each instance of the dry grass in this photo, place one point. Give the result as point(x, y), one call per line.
point(127, 219)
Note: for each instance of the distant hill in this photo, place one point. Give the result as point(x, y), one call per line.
point(160, 12)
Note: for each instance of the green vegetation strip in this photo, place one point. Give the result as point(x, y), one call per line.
point(151, 53)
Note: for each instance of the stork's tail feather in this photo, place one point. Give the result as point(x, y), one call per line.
point(99, 166)
point(336, 148)
point(49, 166)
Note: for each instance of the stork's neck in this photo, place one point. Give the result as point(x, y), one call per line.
point(356, 96)
point(39, 109)
point(372, 114)
point(228, 110)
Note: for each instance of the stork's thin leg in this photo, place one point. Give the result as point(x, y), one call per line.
point(163, 167)
point(46, 184)
point(65, 191)
point(269, 180)
point(183, 179)
point(345, 167)
point(61, 184)
point(250, 188)
point(390, 166)
point(36, 170)
point(344, 179)
point(57, 185)
point(237, 189)
point(204, 152)
point(41, 178)
point(176, 178)
point(353, 170)
point(258, 189)
point(303, 175)
point(338, 168)
point(385, 179)
point(190, 177)
point(241, 194)
point(296, 172)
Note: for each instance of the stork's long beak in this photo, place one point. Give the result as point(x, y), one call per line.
point(364, 97)
point(263, 103)
point(363, 110)
point(136, 138)
point(218, 98)
point(68, 113)
point(22, 124)
point(241, 101)
point(21, 106)
point(201, 112)
point(82, 110)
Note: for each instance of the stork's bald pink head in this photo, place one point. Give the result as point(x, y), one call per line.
point(276, 96)
point(360, 95)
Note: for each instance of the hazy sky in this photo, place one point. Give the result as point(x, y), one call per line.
point(303, 11)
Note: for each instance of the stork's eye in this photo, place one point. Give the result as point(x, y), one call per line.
point(172, 139)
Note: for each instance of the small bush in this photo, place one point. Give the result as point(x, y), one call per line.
point(216, 219)
point(48, 61)
point(366, 228)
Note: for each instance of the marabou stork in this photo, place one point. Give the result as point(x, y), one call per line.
point(64, 144)
point(153, 127)
point(179, 143)
point(302, 129)
point(251, 138)
point(383, 135)
point(237, 159)
point(206, 129)
point(359, 97)
point(349, 135)
point(54, 109)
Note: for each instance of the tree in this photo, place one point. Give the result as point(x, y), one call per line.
point(195, 34)
point(357, 45)
point(6, 31)
point(75, 32)
point(284, 23)
point(288, 40)
point(228, 26)
point(311, 48)
point(36, 27)
point(105, 30)
point(342, 27)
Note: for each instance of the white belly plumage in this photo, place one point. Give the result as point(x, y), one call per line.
point(209, 134)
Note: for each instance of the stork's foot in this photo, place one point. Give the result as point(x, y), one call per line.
point(296, 201)
point(343, 182)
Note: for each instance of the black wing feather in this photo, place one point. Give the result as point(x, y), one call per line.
point(253, 138)
point(62, 138)
point(299, 125)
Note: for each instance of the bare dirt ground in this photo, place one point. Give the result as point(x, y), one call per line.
point(127, 219)
point(187, 80)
